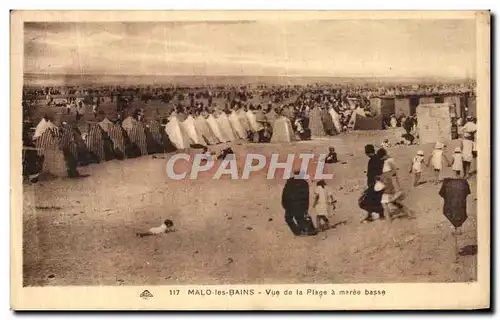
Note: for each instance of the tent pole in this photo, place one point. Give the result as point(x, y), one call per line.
point(456, 246)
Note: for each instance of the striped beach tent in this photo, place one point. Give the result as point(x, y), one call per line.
point(71, 141)
point(97, 143)
point(47, 140)
point(54, 160)
point(121, 143)
point(41, 127)
point(137, 134)
point(154, 136)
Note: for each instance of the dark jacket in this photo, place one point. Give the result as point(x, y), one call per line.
point(455, 192)
point(295, 195)
point(375, 166)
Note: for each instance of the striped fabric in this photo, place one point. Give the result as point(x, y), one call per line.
point(118, 138)
point(155, 128)
point(78, 140)
point(137, 136)
point(48, 140)
point(54, 161)
point(95, 142)
point(67, 140)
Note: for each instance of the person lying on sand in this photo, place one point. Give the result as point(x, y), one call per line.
point(166, 227)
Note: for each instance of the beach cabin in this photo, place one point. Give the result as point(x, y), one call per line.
point(384, 106)
point(471, 106)
point(454, 100)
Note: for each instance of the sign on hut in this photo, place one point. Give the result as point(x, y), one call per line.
point(434, 122)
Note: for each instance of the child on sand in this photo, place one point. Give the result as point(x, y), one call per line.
point(388, 182)
point(416, 167)
point(324, 203)
point(166, 227)
point(332, 156)
point(458, 164)
point(436, 158)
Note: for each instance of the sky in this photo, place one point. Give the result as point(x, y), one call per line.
point(365, 48)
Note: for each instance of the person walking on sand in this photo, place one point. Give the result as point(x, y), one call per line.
point(392, 194)
point(436, 158)
point(370, 199)
point(295, 201)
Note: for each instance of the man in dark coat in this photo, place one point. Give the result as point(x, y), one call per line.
point(408, 124)
point(370, 200)
point(295, 201)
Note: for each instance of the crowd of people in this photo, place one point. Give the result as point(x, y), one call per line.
point(334, 105)
point(383, 196)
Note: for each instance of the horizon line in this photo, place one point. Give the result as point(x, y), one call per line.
point(246, 75)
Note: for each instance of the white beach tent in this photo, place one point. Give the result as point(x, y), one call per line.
point(214, 126)
point(225, 127)
point(190, 128)
point(176, 133)
point(236, 125)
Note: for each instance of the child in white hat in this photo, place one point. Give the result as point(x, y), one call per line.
point(416, 167)
point(457, 165)
point(436, 158)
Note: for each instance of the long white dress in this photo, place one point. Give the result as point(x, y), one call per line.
point(467, 147)
point(437, 159)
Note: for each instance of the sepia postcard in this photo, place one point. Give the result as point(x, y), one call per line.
point(250, 160)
